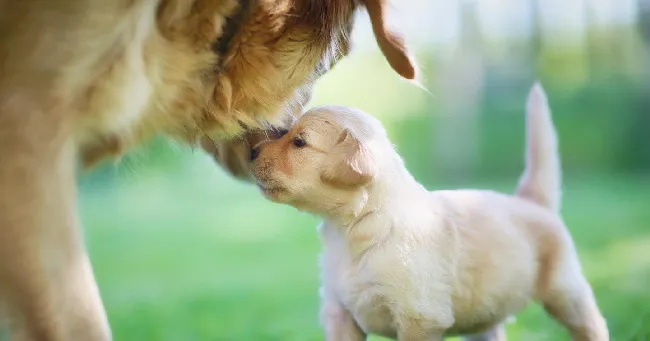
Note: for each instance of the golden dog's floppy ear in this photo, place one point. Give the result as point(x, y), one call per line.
point(349, 164)
point(390, 42)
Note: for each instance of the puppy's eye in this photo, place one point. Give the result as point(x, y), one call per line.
point(299, 142)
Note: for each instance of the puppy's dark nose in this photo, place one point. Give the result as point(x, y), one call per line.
point(255, 152)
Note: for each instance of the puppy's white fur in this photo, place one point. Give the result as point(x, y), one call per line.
point(410, 264)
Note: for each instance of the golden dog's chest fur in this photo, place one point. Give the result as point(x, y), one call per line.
point(136, 79)
point(152, 73)
point(125, 70)
point(121, 70)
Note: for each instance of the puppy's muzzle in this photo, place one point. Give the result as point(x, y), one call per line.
point(275, 134)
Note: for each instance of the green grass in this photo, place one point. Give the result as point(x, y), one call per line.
point(190, 254)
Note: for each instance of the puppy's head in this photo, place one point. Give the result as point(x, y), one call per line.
point(327, 159)
point(269, 65)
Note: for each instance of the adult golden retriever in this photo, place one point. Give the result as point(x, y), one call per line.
point(87, 79)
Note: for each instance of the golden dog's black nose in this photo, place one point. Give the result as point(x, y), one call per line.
point(255, 152)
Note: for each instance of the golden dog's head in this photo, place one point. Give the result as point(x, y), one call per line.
point(229, 73)
point(324, 162)
point(270, 62)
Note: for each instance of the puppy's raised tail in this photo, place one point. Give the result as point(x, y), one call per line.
point(541, 181)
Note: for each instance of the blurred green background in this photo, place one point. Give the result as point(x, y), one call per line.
point(184, 252)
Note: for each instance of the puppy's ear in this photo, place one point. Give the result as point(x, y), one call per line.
point(390, 42)
point(349, 164)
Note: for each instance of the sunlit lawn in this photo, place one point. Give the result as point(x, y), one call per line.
point(192, 255)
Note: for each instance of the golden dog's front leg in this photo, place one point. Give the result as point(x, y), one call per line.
point(46, 281)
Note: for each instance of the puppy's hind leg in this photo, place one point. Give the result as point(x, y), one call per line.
point(496, 333)
point(579, 314)
point(569, 299)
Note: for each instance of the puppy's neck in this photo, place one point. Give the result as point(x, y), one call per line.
point(348, 212)
point(393, 183)
point(370, 219)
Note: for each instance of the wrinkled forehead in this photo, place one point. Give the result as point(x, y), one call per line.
point(359, 123)
point(318, 126)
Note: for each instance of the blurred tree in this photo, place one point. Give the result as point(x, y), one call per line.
point(460, 85)
point(535, 42)
point(644, 19)
point(638, 147)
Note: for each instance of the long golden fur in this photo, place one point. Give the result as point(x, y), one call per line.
point(87, 79)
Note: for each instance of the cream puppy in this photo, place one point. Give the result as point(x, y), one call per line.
point(410, 264)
